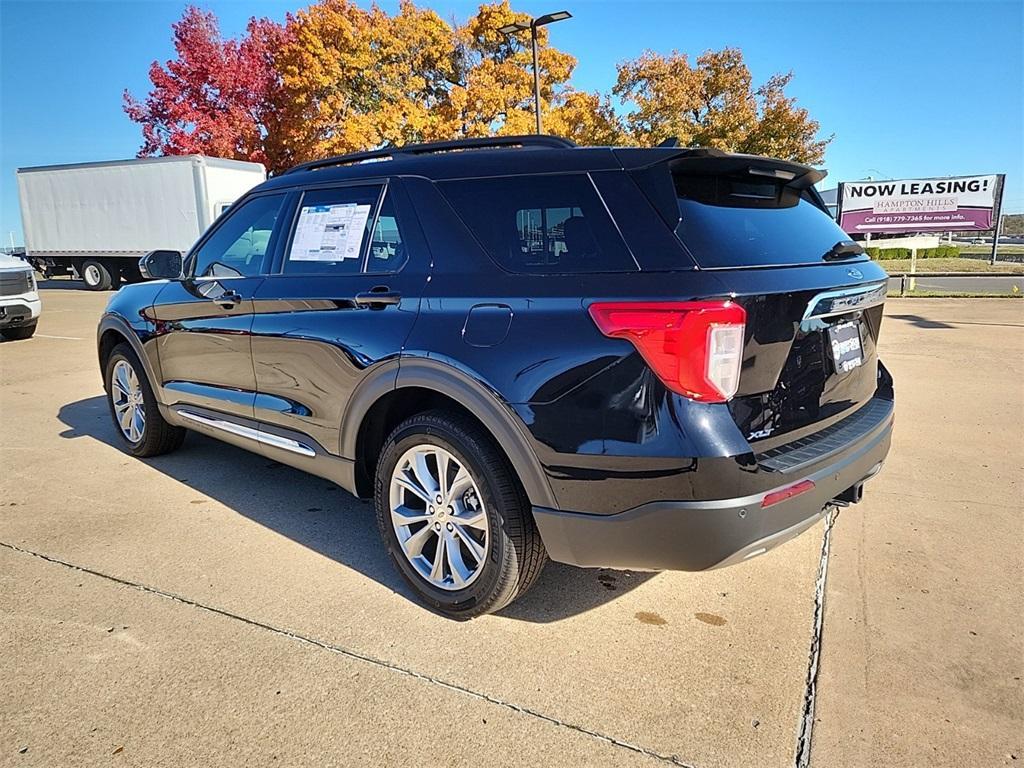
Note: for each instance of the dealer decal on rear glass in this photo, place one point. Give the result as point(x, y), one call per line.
point(329, 232)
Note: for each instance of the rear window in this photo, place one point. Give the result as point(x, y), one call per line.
point(541, 224)
point(746, 221)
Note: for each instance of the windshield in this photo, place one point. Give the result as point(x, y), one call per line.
point(743, 224)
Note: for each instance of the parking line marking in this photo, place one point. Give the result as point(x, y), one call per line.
point(66, 338)
point(357, 655)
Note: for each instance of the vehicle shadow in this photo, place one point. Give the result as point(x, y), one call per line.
point(922, 322)
point(60, 284)
point(321, 516)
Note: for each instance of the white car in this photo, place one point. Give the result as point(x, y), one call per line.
point(19, 298)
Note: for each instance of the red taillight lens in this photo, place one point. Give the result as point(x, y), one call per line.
point(694, 347)
point(787, 493)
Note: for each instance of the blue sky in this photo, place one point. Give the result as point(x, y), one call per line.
point(908, 88)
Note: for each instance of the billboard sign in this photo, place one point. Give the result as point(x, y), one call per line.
point(959, 203)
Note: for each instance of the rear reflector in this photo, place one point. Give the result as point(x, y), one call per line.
point(787, 493)
point(694, 347)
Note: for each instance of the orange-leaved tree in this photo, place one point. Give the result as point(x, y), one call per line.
point(714, 104)
point(358, 78)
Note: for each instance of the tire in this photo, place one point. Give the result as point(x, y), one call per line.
point(19, 333)
point(154, 436)
point(95, 275)
point(114, 267)
point(513, 554)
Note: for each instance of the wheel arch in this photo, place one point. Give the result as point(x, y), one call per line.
point(114, 330)
point(420, 385)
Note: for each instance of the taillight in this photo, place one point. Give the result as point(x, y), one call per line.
point(694, 347)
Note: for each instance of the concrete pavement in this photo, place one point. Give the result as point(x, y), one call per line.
point(282, 585)
point(923, 648)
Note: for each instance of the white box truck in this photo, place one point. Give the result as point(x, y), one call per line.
point(98, 219)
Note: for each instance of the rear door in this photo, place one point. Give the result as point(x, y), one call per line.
point(203, 322)
point(341, 300)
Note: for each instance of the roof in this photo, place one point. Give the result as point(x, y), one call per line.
point(216, 162)
point(458, 164)
point(515, 155)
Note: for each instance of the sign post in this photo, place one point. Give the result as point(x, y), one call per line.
point(999, 220)
point(913, 243)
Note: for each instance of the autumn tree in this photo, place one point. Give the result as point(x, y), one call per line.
point(714, 104)
point(218, 97)
point(356, 78)
point(337, 77)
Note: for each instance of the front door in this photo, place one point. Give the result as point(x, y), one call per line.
point(203, 322)
point(342, 299)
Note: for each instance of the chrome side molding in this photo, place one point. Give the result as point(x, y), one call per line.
point(266, 438)
point(844, 300)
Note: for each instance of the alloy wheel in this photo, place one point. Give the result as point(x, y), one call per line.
point(439, 517)
point(129, 404)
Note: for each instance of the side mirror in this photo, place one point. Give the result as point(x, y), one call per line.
point(162, 265)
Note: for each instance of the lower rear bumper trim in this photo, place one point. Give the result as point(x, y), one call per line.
point(699, 535)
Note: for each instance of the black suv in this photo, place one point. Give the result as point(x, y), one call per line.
point(653, 359)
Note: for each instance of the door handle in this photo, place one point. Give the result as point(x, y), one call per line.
point(378, 298)
point(229, 299)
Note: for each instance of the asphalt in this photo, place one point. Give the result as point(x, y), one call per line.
point(213, 607)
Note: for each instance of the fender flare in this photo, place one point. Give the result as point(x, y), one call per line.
point(497, 417)
point(111, 322)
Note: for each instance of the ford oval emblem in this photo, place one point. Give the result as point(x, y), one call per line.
point(856, 274)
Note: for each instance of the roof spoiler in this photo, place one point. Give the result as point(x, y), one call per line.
point(648, 167)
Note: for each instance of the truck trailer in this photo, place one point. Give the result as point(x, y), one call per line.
point(98, 219)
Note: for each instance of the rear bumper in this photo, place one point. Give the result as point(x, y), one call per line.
point(698, 535)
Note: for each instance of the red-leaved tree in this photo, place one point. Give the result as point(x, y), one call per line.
point(217, 97)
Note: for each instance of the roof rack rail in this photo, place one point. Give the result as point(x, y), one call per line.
point(437, 146)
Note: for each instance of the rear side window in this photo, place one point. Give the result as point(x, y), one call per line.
point(387, 247)
point(746, 221)
point(541, 224)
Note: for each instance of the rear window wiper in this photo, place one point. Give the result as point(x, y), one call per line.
point(844, 249)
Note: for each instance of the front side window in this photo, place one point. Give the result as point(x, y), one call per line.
point(238, 247)
point(332, 230)
point(541, 224)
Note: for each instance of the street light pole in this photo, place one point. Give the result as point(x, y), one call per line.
point(521, 26)
point(536, 76)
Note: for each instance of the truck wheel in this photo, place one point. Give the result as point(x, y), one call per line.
point(114, 269)
point(454, 517)
point(16, 334)
point(133, 406)
point(95, 274)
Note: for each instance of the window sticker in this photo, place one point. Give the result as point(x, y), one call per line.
point(329, 232)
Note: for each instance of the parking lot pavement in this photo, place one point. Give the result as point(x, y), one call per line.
point(923, 647)
point(224, 577)
point(95, 672)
